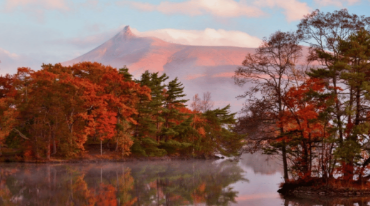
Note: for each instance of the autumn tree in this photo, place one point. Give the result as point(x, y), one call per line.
point(307, 126)
point(7, 111)
point(62, 107)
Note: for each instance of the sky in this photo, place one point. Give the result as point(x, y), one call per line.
point(34, 32)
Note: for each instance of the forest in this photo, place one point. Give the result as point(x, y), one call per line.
point(310, 99)
point(65, 112)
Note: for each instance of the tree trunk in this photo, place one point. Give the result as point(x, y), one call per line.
point(285, 163)
point(101, 147)
point(116, 144)
point(118, 122)
point(366, 162)
point(36, 148)
point(305, 157)
point(48, 146)
point(54, 146)
point(48, 149)
point(283, 149)
point(157, 136)
point(323, 165)
point(53, 136)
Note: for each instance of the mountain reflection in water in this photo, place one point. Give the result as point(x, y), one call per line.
point(252, 181)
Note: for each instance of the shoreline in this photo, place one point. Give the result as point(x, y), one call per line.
point(103, 160)
point(317, 188)
point(314, 192)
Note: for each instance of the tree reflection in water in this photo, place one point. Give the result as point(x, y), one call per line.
point(136, 183)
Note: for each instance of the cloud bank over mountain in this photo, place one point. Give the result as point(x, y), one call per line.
point(207, 37)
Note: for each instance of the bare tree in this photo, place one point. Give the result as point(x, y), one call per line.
point(196, 104)
point(207, 103)
point(204, 104)
point(269, 70)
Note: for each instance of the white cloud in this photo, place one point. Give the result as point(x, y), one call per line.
point(293, 9)
point(45, 4)
point(9, 62)
point(8, 53)
point(337, 3)
point(36, 8)
point(207, 37)
point(221, 8)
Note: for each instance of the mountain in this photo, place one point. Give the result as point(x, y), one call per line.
point(199, 68)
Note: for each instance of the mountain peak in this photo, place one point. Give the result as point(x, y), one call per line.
point(125, 34)
point(127, 31)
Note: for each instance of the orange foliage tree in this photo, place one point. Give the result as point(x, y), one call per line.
point(7, 110)
point(306, 123)
point(62, 107)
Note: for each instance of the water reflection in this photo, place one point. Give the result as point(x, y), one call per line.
point(252, 181)
point(142, 183)
point(262, 164)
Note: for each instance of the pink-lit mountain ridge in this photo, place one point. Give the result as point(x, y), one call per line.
point(199, 68)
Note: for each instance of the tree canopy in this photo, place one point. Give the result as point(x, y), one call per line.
point(63, 111)
point(316, 117)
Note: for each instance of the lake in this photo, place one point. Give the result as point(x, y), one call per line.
point(253, 181)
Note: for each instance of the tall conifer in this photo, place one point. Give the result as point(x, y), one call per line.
point(171, 113)
point(149, 117)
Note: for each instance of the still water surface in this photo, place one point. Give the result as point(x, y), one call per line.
point(251, 181)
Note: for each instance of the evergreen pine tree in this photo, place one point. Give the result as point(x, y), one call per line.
point(171, 113)
point(149, 115)
point(220, 137)
point(124, 71)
